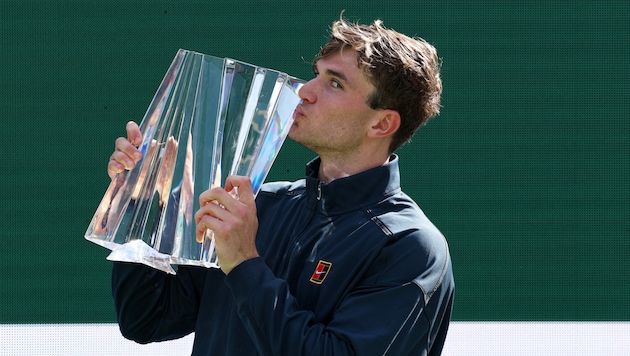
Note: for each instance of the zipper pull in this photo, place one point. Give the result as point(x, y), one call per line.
point(319, 191)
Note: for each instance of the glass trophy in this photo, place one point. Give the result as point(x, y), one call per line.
point(210, 118)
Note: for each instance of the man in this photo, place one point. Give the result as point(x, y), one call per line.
point(339, 263)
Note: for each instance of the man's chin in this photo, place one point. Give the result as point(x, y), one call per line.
point(295, 137)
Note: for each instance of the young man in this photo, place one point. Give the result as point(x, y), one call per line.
point(339, 263)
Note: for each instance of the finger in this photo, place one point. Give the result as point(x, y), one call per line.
point(127, 148)
point(213, 210)
point(200, 234)
point(203, 226)
point(200, 225)
point(216, 195)
point(133, 133)
point(211, 217)
point(114, 168)
point(122, 159)
point(243, 186)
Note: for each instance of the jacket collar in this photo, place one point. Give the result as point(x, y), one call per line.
point(349, 193)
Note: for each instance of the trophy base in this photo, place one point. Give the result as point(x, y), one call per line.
point(137, 251)
point(198, 263)
point(107, 244)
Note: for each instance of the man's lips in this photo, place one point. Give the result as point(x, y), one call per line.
point(298, 112)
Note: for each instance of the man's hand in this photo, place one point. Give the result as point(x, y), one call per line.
point(231, 215)
point(126, 154)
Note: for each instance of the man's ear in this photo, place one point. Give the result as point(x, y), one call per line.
point(385, 124)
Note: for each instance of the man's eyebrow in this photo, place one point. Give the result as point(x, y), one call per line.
point(337, 74)
point(331, 72)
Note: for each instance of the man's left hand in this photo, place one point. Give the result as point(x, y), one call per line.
point(230, 213)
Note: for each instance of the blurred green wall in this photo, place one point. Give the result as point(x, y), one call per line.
point(526, 171)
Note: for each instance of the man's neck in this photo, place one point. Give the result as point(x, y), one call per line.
point(331, 169)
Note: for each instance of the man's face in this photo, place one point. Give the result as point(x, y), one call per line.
point(333, 117)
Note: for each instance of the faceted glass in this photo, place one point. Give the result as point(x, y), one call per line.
point(210, 118)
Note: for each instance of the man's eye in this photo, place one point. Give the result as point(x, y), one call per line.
point(335, 84)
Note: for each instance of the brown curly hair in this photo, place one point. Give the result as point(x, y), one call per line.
point(405, 72)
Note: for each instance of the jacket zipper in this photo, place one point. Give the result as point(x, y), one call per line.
point(291, 247)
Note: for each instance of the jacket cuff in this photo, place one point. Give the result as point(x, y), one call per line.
point(245, 278)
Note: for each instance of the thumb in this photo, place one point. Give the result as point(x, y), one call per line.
point(133, 133)
point(242, 186)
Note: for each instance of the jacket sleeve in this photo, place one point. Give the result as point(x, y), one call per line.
point(376, 319)
point(153, 306)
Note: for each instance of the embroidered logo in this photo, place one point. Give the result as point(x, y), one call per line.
point(321, 271)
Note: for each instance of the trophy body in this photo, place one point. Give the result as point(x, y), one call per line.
point(210, 118)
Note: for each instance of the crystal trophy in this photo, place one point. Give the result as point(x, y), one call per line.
point(210, 118)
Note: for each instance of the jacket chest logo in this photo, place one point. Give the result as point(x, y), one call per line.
point(321, 271)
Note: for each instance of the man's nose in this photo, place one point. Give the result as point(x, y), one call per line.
point(307, 92)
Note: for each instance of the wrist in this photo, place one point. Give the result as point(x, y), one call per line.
point(228, 267)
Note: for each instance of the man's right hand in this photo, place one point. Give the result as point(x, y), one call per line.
point(126, 154)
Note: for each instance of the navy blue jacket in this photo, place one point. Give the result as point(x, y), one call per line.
point(350, 267)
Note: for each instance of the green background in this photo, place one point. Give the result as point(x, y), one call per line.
point(526, 171)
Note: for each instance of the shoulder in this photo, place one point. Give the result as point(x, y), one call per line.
point(401, 215)
point(416, 247)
